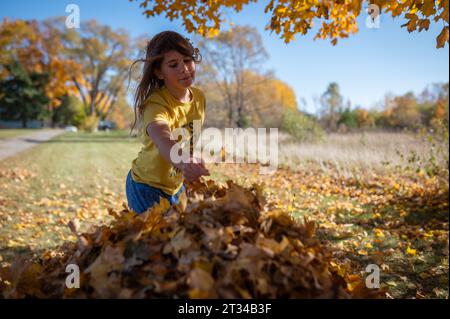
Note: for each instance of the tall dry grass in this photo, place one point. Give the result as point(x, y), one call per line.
point(357, 153)
point(348, 154)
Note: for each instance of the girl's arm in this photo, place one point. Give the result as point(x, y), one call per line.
point(159, 132)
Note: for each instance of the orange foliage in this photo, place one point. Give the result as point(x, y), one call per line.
point(338, 18)
point(38, 48)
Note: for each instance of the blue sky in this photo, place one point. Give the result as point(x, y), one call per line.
point(368, 65)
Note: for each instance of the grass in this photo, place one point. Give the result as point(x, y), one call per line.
point(397, 222)
point(72, 175)
point(364, 221)
point(10, 133)
point(348, 155)
point(356, 154)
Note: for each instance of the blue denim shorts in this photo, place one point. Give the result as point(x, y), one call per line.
point(141, 196)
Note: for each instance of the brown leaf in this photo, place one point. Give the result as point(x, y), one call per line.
point(442, 38)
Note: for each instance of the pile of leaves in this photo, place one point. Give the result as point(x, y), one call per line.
point(221, 242)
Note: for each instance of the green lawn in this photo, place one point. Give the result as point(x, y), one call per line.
point(73, 175)
point(8, 133)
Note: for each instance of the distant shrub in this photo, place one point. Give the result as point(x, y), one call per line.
point(301, 127)
point(70, 112)
point(349, 118)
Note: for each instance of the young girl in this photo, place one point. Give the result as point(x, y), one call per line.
point(165, 100)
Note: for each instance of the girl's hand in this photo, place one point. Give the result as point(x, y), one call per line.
point(159, 132)
point(194, 169)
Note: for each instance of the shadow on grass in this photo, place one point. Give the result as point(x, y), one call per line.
point(403, 218)
point(429, 210)
point(10, 253)
point(119, 139)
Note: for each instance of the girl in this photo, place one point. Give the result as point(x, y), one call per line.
point(165, 100)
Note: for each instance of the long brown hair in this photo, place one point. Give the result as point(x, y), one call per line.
point(160, 44)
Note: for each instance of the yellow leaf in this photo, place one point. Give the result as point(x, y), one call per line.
point(362, 252)
point(428, 234)
point(378, 232)
point(212, 33)
point(410, 251)
point(351, 286)
point(280, 10)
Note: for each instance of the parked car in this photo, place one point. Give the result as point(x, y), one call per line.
point(71, 128)
point(106, 125)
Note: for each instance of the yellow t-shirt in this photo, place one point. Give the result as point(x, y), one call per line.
point(149, 167)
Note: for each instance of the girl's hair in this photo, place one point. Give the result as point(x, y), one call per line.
point(160, 44)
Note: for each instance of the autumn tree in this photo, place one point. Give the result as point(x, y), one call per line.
point(104, 56)
point(37, 46)
point(364, 118)
point(90, 63)
point(404, 113)
point(122, 114)
point(337, 19)
point(227, 57)
point(267, 99)
point(440, 115)
point(19, 43)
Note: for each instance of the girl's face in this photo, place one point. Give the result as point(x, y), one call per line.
point(177, 70)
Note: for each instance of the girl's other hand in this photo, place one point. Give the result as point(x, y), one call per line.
point(194, 169)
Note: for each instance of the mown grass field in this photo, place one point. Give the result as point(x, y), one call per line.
point(72, 175)
point(9, 133)
point(395, 219)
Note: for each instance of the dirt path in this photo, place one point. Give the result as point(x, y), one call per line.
point(14, 145)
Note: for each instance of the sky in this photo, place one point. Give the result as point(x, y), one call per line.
point(367, 65)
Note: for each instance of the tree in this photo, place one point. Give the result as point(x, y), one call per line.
point(338, 18)
point(441, 107)
point(22, 95)
point(267, 100)
point(405, 113)
point(364, 118)
point(71, 111)
point(104, 56)
point(348, 118)
point(38, 48)
point(331, 106)
point(228, 57)
point(122, 115)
